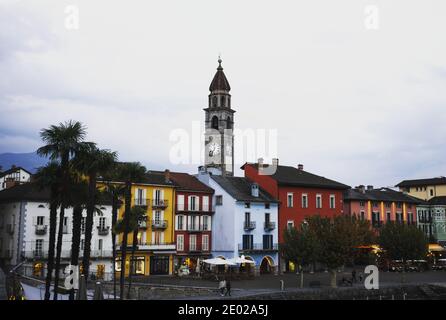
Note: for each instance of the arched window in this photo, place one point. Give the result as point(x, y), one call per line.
point(214, 101)
point(214, 122)
point(228, 123)
point(222, 101)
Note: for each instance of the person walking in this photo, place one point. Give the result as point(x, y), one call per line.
point(222, 287)
point(228, 287)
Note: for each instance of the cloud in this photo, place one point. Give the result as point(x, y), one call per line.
point(359, 106)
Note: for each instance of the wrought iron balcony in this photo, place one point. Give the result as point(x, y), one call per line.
point(160, 203)
point(249, 225)
point(141, 202)
point(268, 226)
point(425, 220)
point(159, 224)
point(142, 224)
point(103, 231)
point(258, 247)
point(41, 230)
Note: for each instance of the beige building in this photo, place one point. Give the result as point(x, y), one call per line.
point(424, 189)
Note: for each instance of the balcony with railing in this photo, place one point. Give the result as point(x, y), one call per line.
point(268, 226)
point(103, 230)
point(258, 247)
point(204, 209)
point(142, 223)
point(161, 246)
point(425, 220)
point(160, 203)
point(41, 229)
point(249, 225)
point(141, 202)
point(159, 224)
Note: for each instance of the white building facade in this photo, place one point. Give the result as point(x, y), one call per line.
point(13, 176)
point(24, 233)
point(245, 222)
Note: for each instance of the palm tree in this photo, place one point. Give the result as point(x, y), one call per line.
point(62, 143)
point(78, 200)
point(137, 214)
point(47, 177)
point(115, 191)
point(92, 162)
point(130, 173)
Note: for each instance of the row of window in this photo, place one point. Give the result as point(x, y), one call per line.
point(192, 222)
point(193, 243)
point(193, 203)
point(305, 200)
point(248, 242)
point(375, 204)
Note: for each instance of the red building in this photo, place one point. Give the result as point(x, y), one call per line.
point(193, 220)
point(301, 194)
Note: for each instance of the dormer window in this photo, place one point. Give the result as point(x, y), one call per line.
point(255, 190)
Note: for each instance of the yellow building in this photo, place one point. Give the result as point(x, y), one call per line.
point(156, 247)
point(424, 189)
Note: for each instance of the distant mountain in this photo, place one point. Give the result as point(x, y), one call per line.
point(29, 161)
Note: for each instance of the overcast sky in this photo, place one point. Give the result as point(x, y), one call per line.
point(351, 102)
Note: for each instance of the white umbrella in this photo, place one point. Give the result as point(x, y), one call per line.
point(240, 260)
point(218, 262)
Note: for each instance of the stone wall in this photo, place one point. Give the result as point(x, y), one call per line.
point(146, 292)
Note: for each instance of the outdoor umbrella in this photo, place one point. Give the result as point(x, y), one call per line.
point(82, 291)
point(98, 292)
point(218, 262)
point(240, 260)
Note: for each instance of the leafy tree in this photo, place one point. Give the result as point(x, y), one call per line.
point(403, 242)
point(338, 237)
point(301, 246)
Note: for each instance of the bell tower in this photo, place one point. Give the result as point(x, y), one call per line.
point(219, 124)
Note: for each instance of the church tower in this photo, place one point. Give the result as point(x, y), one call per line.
point(219, 124)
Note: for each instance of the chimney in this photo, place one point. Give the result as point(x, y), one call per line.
point(167, 175)
point(255, 190)
point(361, 188)
point(300, 166)
point(369, 187)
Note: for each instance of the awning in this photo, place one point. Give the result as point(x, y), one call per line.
point(436, 248)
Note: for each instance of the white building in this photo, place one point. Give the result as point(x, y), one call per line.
point(24, 232)
point(245, 221)
point(14, 176)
